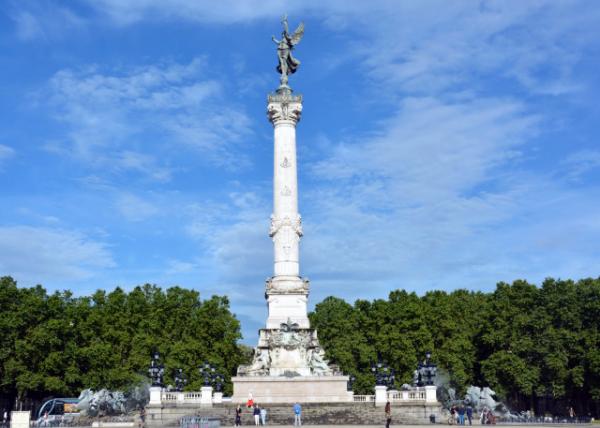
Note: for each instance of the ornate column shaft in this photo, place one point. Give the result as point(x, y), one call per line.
point(287, 292)
point(286, 229)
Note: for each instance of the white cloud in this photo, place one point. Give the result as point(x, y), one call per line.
point(6, 153)
point(581, 162)
point(43, 20)
point(36, 254)
point(110, 115)
point(134, 208)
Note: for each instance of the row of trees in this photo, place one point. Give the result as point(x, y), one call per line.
point(534, 346)
point(58, 344)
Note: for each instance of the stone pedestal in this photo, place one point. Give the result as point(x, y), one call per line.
point(380, 395)
point(155, 395)
point(431, 394)
point(302, 389)
point(20, 419)
point(206, 396)
point(217, 398)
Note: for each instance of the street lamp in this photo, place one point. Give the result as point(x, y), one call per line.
point(426, 372)
point(384, 375)
point(351, 381)
point(207, 372)
point(211, 376)
point(218, 380)
point(156, 370)
point(181, 380)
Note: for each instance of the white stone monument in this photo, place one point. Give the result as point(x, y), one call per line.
point(289, 364)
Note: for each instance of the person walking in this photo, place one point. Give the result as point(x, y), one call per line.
point(470, 414)
point(142, 423)
point(461, 415)
point(263, 416)
point(388, 414)
point(238, 416)
point(297, 414)
point(256, 413)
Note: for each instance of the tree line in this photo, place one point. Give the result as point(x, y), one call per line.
point(58, 344)
point(536, 347)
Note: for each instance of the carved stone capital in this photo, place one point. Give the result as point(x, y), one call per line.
point(278, 111)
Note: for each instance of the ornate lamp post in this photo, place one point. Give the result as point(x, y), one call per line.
point(384, 375)
point(218, 380)
point(181, 380)
point(351, 381)
point(426, 372)
point(156, 370)
point(208, 372)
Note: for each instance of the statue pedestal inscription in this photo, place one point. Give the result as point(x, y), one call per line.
point(289, 364)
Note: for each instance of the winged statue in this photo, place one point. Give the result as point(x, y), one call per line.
point(287, 63)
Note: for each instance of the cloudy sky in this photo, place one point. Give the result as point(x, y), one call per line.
point(443, 145)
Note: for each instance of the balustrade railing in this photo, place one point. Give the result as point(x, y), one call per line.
point(185, 397)
point(364, 398)
point(416, 394)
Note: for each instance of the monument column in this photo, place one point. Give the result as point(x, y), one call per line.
point(289, 364)
point(286, 291)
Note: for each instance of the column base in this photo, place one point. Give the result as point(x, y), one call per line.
point(287, 298)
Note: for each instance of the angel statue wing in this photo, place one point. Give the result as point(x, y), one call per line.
point(297, 36)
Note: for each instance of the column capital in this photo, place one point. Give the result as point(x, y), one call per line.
point(284, 107)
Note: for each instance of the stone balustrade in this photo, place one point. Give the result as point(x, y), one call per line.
point(190, 397)
point(419, 394)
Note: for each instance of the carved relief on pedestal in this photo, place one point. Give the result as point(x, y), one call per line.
point(289, 351)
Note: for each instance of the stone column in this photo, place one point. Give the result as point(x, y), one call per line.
point(380, 395)
point(431, 394)
point(206, 396)
point(155, 396)
point(20, 419)
point(286, 291)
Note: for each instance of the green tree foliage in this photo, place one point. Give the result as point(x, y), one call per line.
point(523, 341)
point(59, 344)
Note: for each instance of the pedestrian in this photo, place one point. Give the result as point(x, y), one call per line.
point(142, 417)
point(388, 414)
point(256, 413)
point(263, 415)
point(461, 415)
point(453, 415)
point(238, 416)
point(470, 414)
point(571, 414)
point(297, 414)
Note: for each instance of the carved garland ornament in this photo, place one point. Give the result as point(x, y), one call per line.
point(278, 223)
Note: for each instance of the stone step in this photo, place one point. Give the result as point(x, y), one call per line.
point(312, 414)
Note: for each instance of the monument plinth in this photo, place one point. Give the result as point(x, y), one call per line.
point(288, 364)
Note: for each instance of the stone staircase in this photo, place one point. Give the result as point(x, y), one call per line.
point(312, 414)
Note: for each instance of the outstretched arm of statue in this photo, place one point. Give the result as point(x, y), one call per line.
point(275, 40)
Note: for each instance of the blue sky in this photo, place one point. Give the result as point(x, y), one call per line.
point(443, 145)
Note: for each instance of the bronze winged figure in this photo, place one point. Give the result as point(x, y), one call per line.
point(287, 63)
